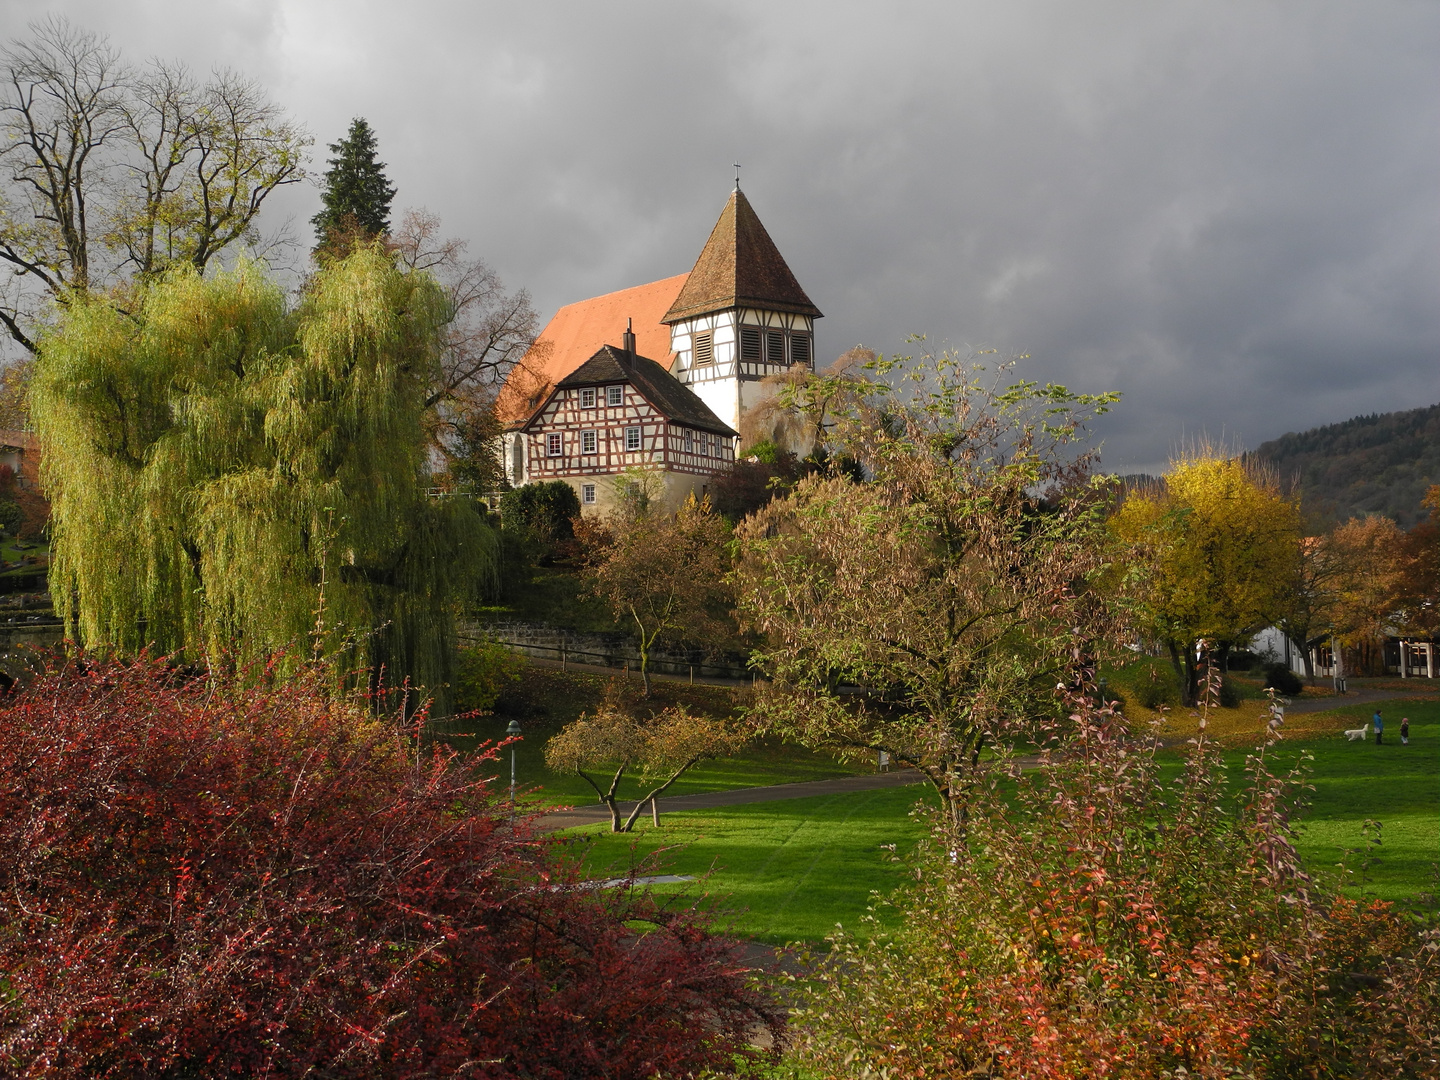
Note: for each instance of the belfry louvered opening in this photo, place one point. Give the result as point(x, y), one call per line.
point(774, 347)
point(750, 343)
point(704, 348)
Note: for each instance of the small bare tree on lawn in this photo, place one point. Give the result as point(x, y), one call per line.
point(666, 573)
point(657, 750)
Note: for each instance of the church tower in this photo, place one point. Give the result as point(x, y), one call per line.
point(740, 316)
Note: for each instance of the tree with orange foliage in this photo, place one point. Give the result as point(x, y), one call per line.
point(665, 574)
point(1103, 920)
point(1420, 599)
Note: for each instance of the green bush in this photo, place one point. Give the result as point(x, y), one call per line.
point(1150, 683)
point(1229, 695)
point(545, 509)
point(11, 516)
point(535, 522)
point(1279, 676)
point(766, 451)
point(483, 670)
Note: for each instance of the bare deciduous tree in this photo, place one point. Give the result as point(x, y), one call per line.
point(490, 332)
point(109, 173)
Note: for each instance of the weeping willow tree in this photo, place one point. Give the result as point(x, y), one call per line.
point(233, 478)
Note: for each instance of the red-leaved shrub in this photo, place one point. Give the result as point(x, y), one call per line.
point(1098, 919)
point(202, 880)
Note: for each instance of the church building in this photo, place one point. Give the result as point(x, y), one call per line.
point(657, 377)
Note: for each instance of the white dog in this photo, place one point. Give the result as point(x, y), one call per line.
point(1356, 734)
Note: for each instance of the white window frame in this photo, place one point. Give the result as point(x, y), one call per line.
point(634, 439)
point(555, 445)
point(614, 396)
point(689, 441)
point(587, 494)
point(589, 442)
point(587, 397)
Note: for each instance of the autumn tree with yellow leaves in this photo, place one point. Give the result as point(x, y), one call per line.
point(1212, 555)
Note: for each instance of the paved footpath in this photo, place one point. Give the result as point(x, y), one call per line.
point(594, 813)
point(1357, 697)
point(709, 800)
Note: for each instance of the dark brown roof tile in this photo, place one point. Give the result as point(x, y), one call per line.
point(739, 267)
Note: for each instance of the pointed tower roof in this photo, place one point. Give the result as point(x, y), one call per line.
point(739, 267)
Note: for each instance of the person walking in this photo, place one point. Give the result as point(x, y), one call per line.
point(1404, 731)
point(1379, 727)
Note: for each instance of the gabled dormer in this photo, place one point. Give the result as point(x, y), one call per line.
point(740, 316)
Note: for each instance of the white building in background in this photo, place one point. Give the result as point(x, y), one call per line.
point(1408, 658)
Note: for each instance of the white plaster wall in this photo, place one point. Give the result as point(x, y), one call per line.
point(722, 395)
point(677, 487)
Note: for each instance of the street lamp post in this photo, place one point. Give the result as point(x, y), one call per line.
point(513, 731)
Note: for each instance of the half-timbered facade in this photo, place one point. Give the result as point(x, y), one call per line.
point(715, 334)
point(619, 412)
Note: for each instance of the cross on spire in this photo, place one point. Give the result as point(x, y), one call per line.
point(737, 175)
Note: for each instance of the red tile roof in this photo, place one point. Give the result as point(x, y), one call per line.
point(578, 330)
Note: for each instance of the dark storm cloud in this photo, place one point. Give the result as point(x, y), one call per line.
point(1228, 211)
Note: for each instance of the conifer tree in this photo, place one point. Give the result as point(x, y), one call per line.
point(231, 477)
point(356, 195)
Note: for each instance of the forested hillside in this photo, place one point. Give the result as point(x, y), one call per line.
point(1378, 464)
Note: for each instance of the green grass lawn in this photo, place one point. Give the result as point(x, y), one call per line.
point(10, 553)
point(1397, 786)
point(780, 872)
point(788, 871)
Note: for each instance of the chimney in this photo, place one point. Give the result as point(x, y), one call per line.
point(629, 340)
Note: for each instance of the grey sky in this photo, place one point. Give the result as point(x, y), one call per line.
point(1229, 211)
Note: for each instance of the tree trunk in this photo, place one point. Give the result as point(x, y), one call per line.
point(1186, 671)
point(655, 794)
point(645, 642)
point(608, 797)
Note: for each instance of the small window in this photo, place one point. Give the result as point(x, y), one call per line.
point(689, 441)
point(705, 442)
point(800, 349)
point(614, 395)
point(704, 348)
point(587, 494)
point(554, 445)
point(750, 343)
point(589, 442)
point(774, 347)
point(632, 438)
point(587, 397)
